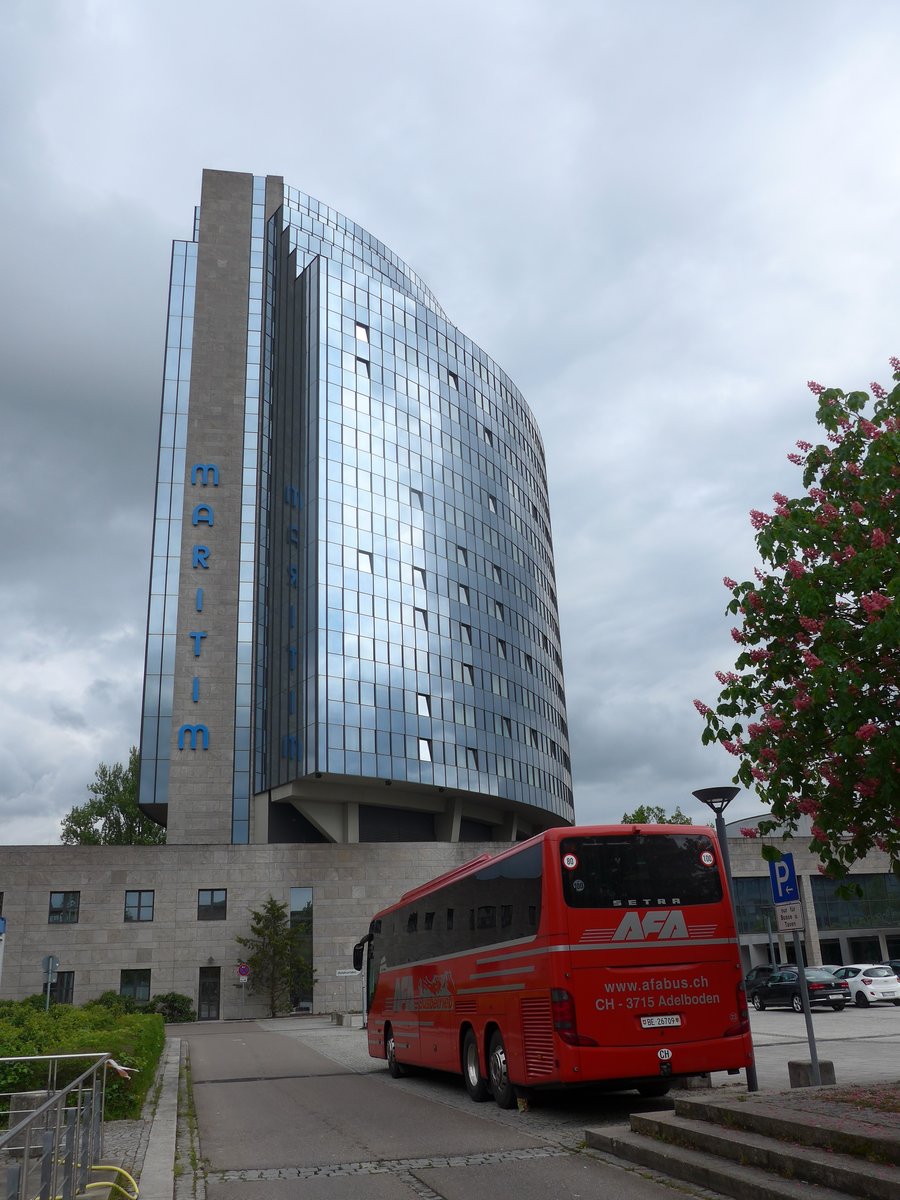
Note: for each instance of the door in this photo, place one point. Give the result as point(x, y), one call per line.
point(209, 991)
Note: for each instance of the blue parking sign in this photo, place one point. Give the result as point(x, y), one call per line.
point(784, 880)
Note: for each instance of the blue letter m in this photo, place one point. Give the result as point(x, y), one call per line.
point(205, 470)
point(191, 731)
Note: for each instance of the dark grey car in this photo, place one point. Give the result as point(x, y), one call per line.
point(782, 990)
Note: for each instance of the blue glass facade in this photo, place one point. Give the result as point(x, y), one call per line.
point(396, 606)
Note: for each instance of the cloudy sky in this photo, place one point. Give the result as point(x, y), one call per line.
point(660, 216)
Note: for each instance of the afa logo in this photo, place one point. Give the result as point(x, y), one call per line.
point(661, 923)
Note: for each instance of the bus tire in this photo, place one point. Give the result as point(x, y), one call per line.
point(503, 1091)
point(650, 1091)
point(395, 1069)
point(476, 1084)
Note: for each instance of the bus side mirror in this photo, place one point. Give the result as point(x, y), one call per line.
point(358, 956)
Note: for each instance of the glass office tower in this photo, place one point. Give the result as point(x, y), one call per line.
point(353, 630)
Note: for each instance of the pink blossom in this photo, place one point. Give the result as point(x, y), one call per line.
point(759, 575)
point(869, 730)
point(767, 754)
point(857, 508)
point(895, 363)
point(802, 701)
point(878, 391)
point(759, 775)
point(795, 459)
point(749, 831)
point(804, 446)
point(755, 601)
point(760, 655)
point(809, 807)
point(819, 834)
point(759, 519)
point(733, 747)
point(866, 787)
point(870, 430)
point(874, 603)
point(729, 583)
point(810, 659)
point(879, 541)
point(737, 635)
point(755, 730)
point(815, 388)
point(702, 708)
point(796, 568)
point(727, 677)
point(854, 469)
point(775, 724)
point(811, 625)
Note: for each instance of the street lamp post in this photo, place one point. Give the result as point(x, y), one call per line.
point(717, 799)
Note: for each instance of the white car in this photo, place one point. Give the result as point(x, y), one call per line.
point(870, 984)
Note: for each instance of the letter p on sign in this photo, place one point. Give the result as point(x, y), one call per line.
point(784, 880)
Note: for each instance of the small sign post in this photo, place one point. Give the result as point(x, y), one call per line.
point(243, 974)
point(346, 973)
point(50, 966)
point(790, 918)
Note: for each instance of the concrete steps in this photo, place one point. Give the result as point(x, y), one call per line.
point(761, 1149)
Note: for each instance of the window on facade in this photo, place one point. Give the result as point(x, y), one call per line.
point(463, 594)
point(362, 368)
point(471, 758)
point(533, 733)
point(139, 906)
point(362, 333)
point(492, 504)
point(364, 562)
point(498, 610)
point(135, 984)
point(416, 498)
point(507, 726)
point(488, 436)
point(423, 705)
point(63, 990)
point(454, 381)
point(418, 577)
point(212, 904)
point(465, 634)
point(498, 575)
point(301, 920)
point(421, 618)
point(425, 749)
point(64, 908)
point(462, 556)
point(501, 648)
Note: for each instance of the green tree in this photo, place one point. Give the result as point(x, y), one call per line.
point(112, 817)
point(811, 710)
point(655, 814)
point(275, 956)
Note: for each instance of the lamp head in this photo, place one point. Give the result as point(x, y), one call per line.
point(716, 798)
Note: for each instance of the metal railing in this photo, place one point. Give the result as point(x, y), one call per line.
point(51, 1139)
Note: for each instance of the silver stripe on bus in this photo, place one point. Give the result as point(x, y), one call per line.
point(497, 987)
point(520, 970)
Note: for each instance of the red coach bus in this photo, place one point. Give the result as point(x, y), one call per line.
point(601, 954)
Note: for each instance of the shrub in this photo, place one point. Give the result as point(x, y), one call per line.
point(134, 1040)
point(172, 1007)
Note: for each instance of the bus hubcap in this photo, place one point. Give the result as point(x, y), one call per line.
point(498, 1068)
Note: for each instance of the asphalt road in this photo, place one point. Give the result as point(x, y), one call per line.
point(296, 1106)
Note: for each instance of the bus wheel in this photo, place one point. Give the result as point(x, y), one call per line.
point(503, 1090)
point(651, 1090)
point(395, 1070)
point(476, 1084)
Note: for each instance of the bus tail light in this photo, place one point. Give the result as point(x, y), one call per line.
point(564, 1022)
point(742, 1025)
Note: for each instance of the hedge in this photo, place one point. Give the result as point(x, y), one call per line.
point(134, 1040)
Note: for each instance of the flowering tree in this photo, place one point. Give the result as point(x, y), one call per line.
point(812, 709)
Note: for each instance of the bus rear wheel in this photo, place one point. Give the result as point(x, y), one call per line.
point(503, 1091)
point(395, 1070)
point(476, 1084)
point(651, 1090)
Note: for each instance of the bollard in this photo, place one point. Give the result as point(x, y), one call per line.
point(800, 1072)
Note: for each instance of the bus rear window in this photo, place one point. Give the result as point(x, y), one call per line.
point(640, 870)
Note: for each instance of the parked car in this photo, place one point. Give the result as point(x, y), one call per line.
point(871, 983)
point(782, 990)
point(756, 976)
point(894, 964)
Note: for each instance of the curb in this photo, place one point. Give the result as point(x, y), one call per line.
point(157, 1179)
